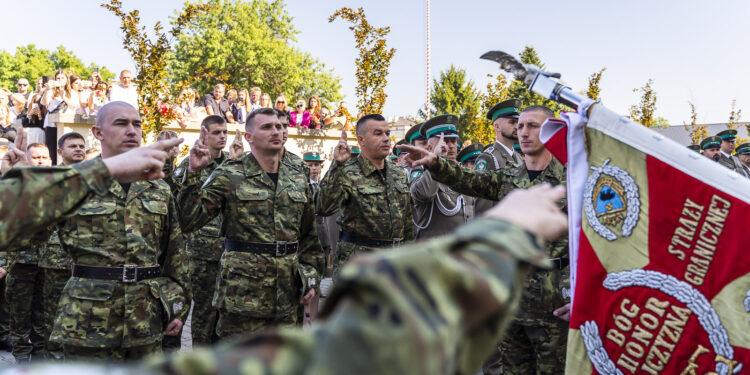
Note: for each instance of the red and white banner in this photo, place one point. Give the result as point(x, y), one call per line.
point(660, 252)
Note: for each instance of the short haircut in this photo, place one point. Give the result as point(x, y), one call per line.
point(124, 71)
point(254, 89)
point(36, 145)
point(71, 135)
point(164, 133)
point(547, 112)
point(250, 121)
point(104, 112)
point(213, 120)
point(361, 122)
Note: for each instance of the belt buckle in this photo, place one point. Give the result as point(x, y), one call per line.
point(125, 269)
point(279, 244)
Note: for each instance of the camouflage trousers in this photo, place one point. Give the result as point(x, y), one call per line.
point(172, 343)
point(83, 353)
point(230, 324)
point(203, 275)
point(4, 313)
point(535, 349)
point(54, 282)
point(25, 303)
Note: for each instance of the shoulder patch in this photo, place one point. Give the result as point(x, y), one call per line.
point(481, 165)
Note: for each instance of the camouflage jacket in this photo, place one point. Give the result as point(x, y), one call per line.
point(141, 228)
point(438, 210)
point(257, 210)
point(168, 170)
point(493, 158)
point(50, 193)
point(28, 249)
point(733, 163)
point(53, 256)
point(543, 289)
point(205, 243)
point(440, 310)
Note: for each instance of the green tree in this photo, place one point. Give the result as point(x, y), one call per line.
point(697, 131)
point(454, 94)
point(31, 63)
point(594, 79)
point(518, 90)
point(735, 115)
point(481, 129)
point(373, 61)
point(247, 44)
point(151, 60)
point(644, 111)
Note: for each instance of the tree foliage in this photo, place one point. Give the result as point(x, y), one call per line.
point(697, 131)
point(373, 61)
point(644, 111)
point(247, 44)
point(519, 90)
point(150, 57)
point(735, 115)
point(452, 93)
point(31, 63)
point(594, 90)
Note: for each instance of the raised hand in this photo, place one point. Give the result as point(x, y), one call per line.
point(16, 155)
point(418, 156)
point(142, 163)
point(342, 152)
point(441, 149)
point(200, 156)
point(237, 148)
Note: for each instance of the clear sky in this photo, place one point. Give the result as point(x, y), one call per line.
point(694, 50)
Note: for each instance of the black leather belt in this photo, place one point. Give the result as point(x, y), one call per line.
point(128, 273)
point(278, 248)
point(369, 242)
point(560, 263)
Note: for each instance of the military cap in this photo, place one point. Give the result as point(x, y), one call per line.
point(727, 135)
point(312, 156)
point(396, 151)
point(509, 109)
point(413, 134)
point(743, 149)
point(710, 142)
point(443, 124)
point(470, 153)
point(355, 150)
point(696, 148)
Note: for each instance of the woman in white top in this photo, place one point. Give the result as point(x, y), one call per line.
point(57, 93)
point(265, 100)
point(76, 96)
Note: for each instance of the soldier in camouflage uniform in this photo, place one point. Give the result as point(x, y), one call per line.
point(726, 159)
point(272, 259)
point(537, 338)
point(25, 282)
point(438, 210)
point(504, 117)
point(205, 245)
point(170, 163)
point(371, 192)
point(128, 256)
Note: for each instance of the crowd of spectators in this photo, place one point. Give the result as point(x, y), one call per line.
point(68, 93)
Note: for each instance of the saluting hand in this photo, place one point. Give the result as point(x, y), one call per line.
point(418, 156)
point(441, 149)
point(237, 148)
point(200, 157)
point(342, 152)
point(142, 163)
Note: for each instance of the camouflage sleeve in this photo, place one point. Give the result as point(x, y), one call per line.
point(409, 233)
point(331, 194)
point(438, 308)
point(424, 188)
point(480, 184)
point(33, 198)
point(312, 259)
point(168, 170)
point(197, 204)
point(176, 262)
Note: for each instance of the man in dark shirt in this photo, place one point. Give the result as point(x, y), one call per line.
point(217, 104)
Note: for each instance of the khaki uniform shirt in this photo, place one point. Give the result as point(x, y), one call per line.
point(438, 210)
point(493, 158)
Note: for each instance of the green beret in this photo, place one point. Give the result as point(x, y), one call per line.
point(710, 142)
point(509, 109)
point(727, 135)
point(443, 124)
point(470, 153)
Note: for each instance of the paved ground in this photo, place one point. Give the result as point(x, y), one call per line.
point(6, 359)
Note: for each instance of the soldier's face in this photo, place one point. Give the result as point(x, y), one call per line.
point(727, 146)
point(216, 138)
point(120, 131)
point(315, 168)
point(375, 140)
point(712, 153)
point(529, 125)
point(506, 127)
point(745, 159)
point(72, 151)
point(266, 134)
point(39, 157)
point(285, 124)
